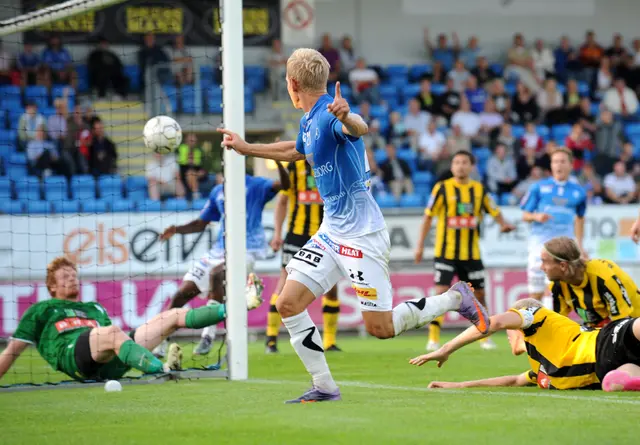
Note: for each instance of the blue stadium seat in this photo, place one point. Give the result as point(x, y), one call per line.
point(172, 96)
point(379, 112)
point(423, 178)
point(413, 200)
point(507, 199)
point(386, 201)
point(438, 88)
point(423, 190)
point(11, 104)
point(560, 133)
point(6, 150)
point(16, 171)
point(94, 206)
point(10, 91)
point(10, 207)
point(632, 130)
point(83, 187)
point(37, 94)
point(410, 157)
point(3, 118)
point(410, 91)
point(198, 204)
point(176, 205)
point(256, 77)
point(123, 205)
point(136, 183)
point(6, 192)
point(66, 206)
point(27, 184)
point(83, 78)
point(14, 118)
point(133, 73)
point(58, 91)
point(543, 132)
point(561, 88)
point(399, 81)
point(380, 156)
point(37, 207)
point(482, 154)
point(206, 73)
point(583, 88)
point(8, 136)
point(188, 96)
point(55, 188)
point(389, 93)
point(149, 205)
point(110, 187)
point(249, 103)
point(417, 71)
point(517, 131)
point(397, 70)
point(595, 108)
point(510, 88)
point(497, 68)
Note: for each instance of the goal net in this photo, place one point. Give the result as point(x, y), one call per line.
point(78, 81)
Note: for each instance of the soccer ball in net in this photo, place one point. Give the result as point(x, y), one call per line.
point(162, 134)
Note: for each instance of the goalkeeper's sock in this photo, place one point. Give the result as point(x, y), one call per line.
point(273, 321)
point(205, 316)
point(330, 314)
point(306, 341)
point(139, 358)
point(434, 329)
point(209, 331)
point(417, 313)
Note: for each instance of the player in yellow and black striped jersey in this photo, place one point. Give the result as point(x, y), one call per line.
point(304, 209)
point(599, 291)
point(458, 204)
point(562, 354)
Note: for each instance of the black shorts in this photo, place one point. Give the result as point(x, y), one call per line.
point(470, 271)
point(292, 244)
point(616, 346)
point(91, 369)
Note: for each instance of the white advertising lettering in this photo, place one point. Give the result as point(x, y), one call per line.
point(322, 170)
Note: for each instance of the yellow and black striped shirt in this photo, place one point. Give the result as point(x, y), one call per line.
point(305, 205)
point(561, 353)
point(606, 293)
point(459, 209)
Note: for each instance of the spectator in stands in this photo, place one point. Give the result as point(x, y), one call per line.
point(29, 124)
point(397, 133)
point(459, 75)
point(490, 120)
point(438, 73)
point(277, 61)
point(150, 55)
point(103, 155)
point(441, 52)
point(591, 182)
point(163, 176)
point(520, 64)
point(88, 115)
point(457, 141)
point(590, 56)
point(348, 57)
point(616, 52)
point(449, 101)
point(531, 139)
point(500, 98)
point(505, 137)
point(468, 121)
point(181, 62)
point(43, 157)
point(427, 100)
point(483, 72)
point(75, 147)
point(609, 140)
point(59, 62)
point(535, 175)
point(28, 63)
point(75, 124)
point(621, 100)
point(431, 149)
point(578, 141)
point(190, 159)
point(365, 112)
point(330, 53)
point(377, 185)
point(477, 96)
point(6, 63)
point(586, 117)
point(566, 61)
point(543, 60)
point(627, 156)
point(106, 71)
point(396, 173)
point(603, 78)
point(619, 186)
point(527, 161)
point(374, 140)
point(416, 121)
point(550, 103)
point(524, 106)
point(572, 101)
point(470, 53)
point(636, 51)
point(630, 73)
point(57, 123)
point(364, 83)
point(501, 171)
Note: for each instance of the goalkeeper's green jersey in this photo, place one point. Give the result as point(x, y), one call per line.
point(54, 325)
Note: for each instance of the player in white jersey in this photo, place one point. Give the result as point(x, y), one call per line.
point(352, 241)
point(555, 207)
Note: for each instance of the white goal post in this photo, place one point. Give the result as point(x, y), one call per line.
point(234, 164)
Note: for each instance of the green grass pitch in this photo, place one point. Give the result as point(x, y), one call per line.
point(384, 402)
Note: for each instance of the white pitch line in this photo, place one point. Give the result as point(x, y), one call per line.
point(542, 393)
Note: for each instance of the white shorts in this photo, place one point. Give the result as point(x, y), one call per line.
point(200, 269)
point(536, 278)
point(325, 259)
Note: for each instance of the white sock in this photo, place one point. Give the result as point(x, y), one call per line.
point(417, 313)
point(307, 343)
point(209, 331)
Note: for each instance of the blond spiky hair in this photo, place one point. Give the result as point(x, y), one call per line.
point(309, 69)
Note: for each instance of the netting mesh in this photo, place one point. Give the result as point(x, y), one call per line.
point(76, 179)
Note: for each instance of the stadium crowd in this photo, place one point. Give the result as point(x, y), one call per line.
point(510, 114)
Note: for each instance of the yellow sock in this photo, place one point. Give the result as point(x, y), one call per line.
point(434, 329)
point(273, 320)
point(330, 314)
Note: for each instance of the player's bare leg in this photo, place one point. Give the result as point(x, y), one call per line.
point(436, 325)
point(273, 317)
point(627, 376)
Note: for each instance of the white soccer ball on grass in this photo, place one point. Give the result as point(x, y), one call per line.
point(162, 134)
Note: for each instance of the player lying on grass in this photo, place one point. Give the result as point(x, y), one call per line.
point(562, 354)
point(79, 340)
point(353, 241)
point(206, 276)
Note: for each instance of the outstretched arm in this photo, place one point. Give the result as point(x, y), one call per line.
point(507, 380)
point(9, 355)
point(278, 151)
point(195, 226)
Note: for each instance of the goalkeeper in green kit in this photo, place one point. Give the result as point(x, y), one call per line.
point(79, 340)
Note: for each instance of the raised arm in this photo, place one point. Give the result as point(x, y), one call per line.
point(352, 124)
point(278, 151)
point(195, 226)
point(10, 355)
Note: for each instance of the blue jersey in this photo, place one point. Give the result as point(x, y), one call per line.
point(259, 192)
point(563, 201)
point(341, 171)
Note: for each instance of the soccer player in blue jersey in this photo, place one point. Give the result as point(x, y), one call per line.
point(353, 241)
point(555, 207)
point(207, 274)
